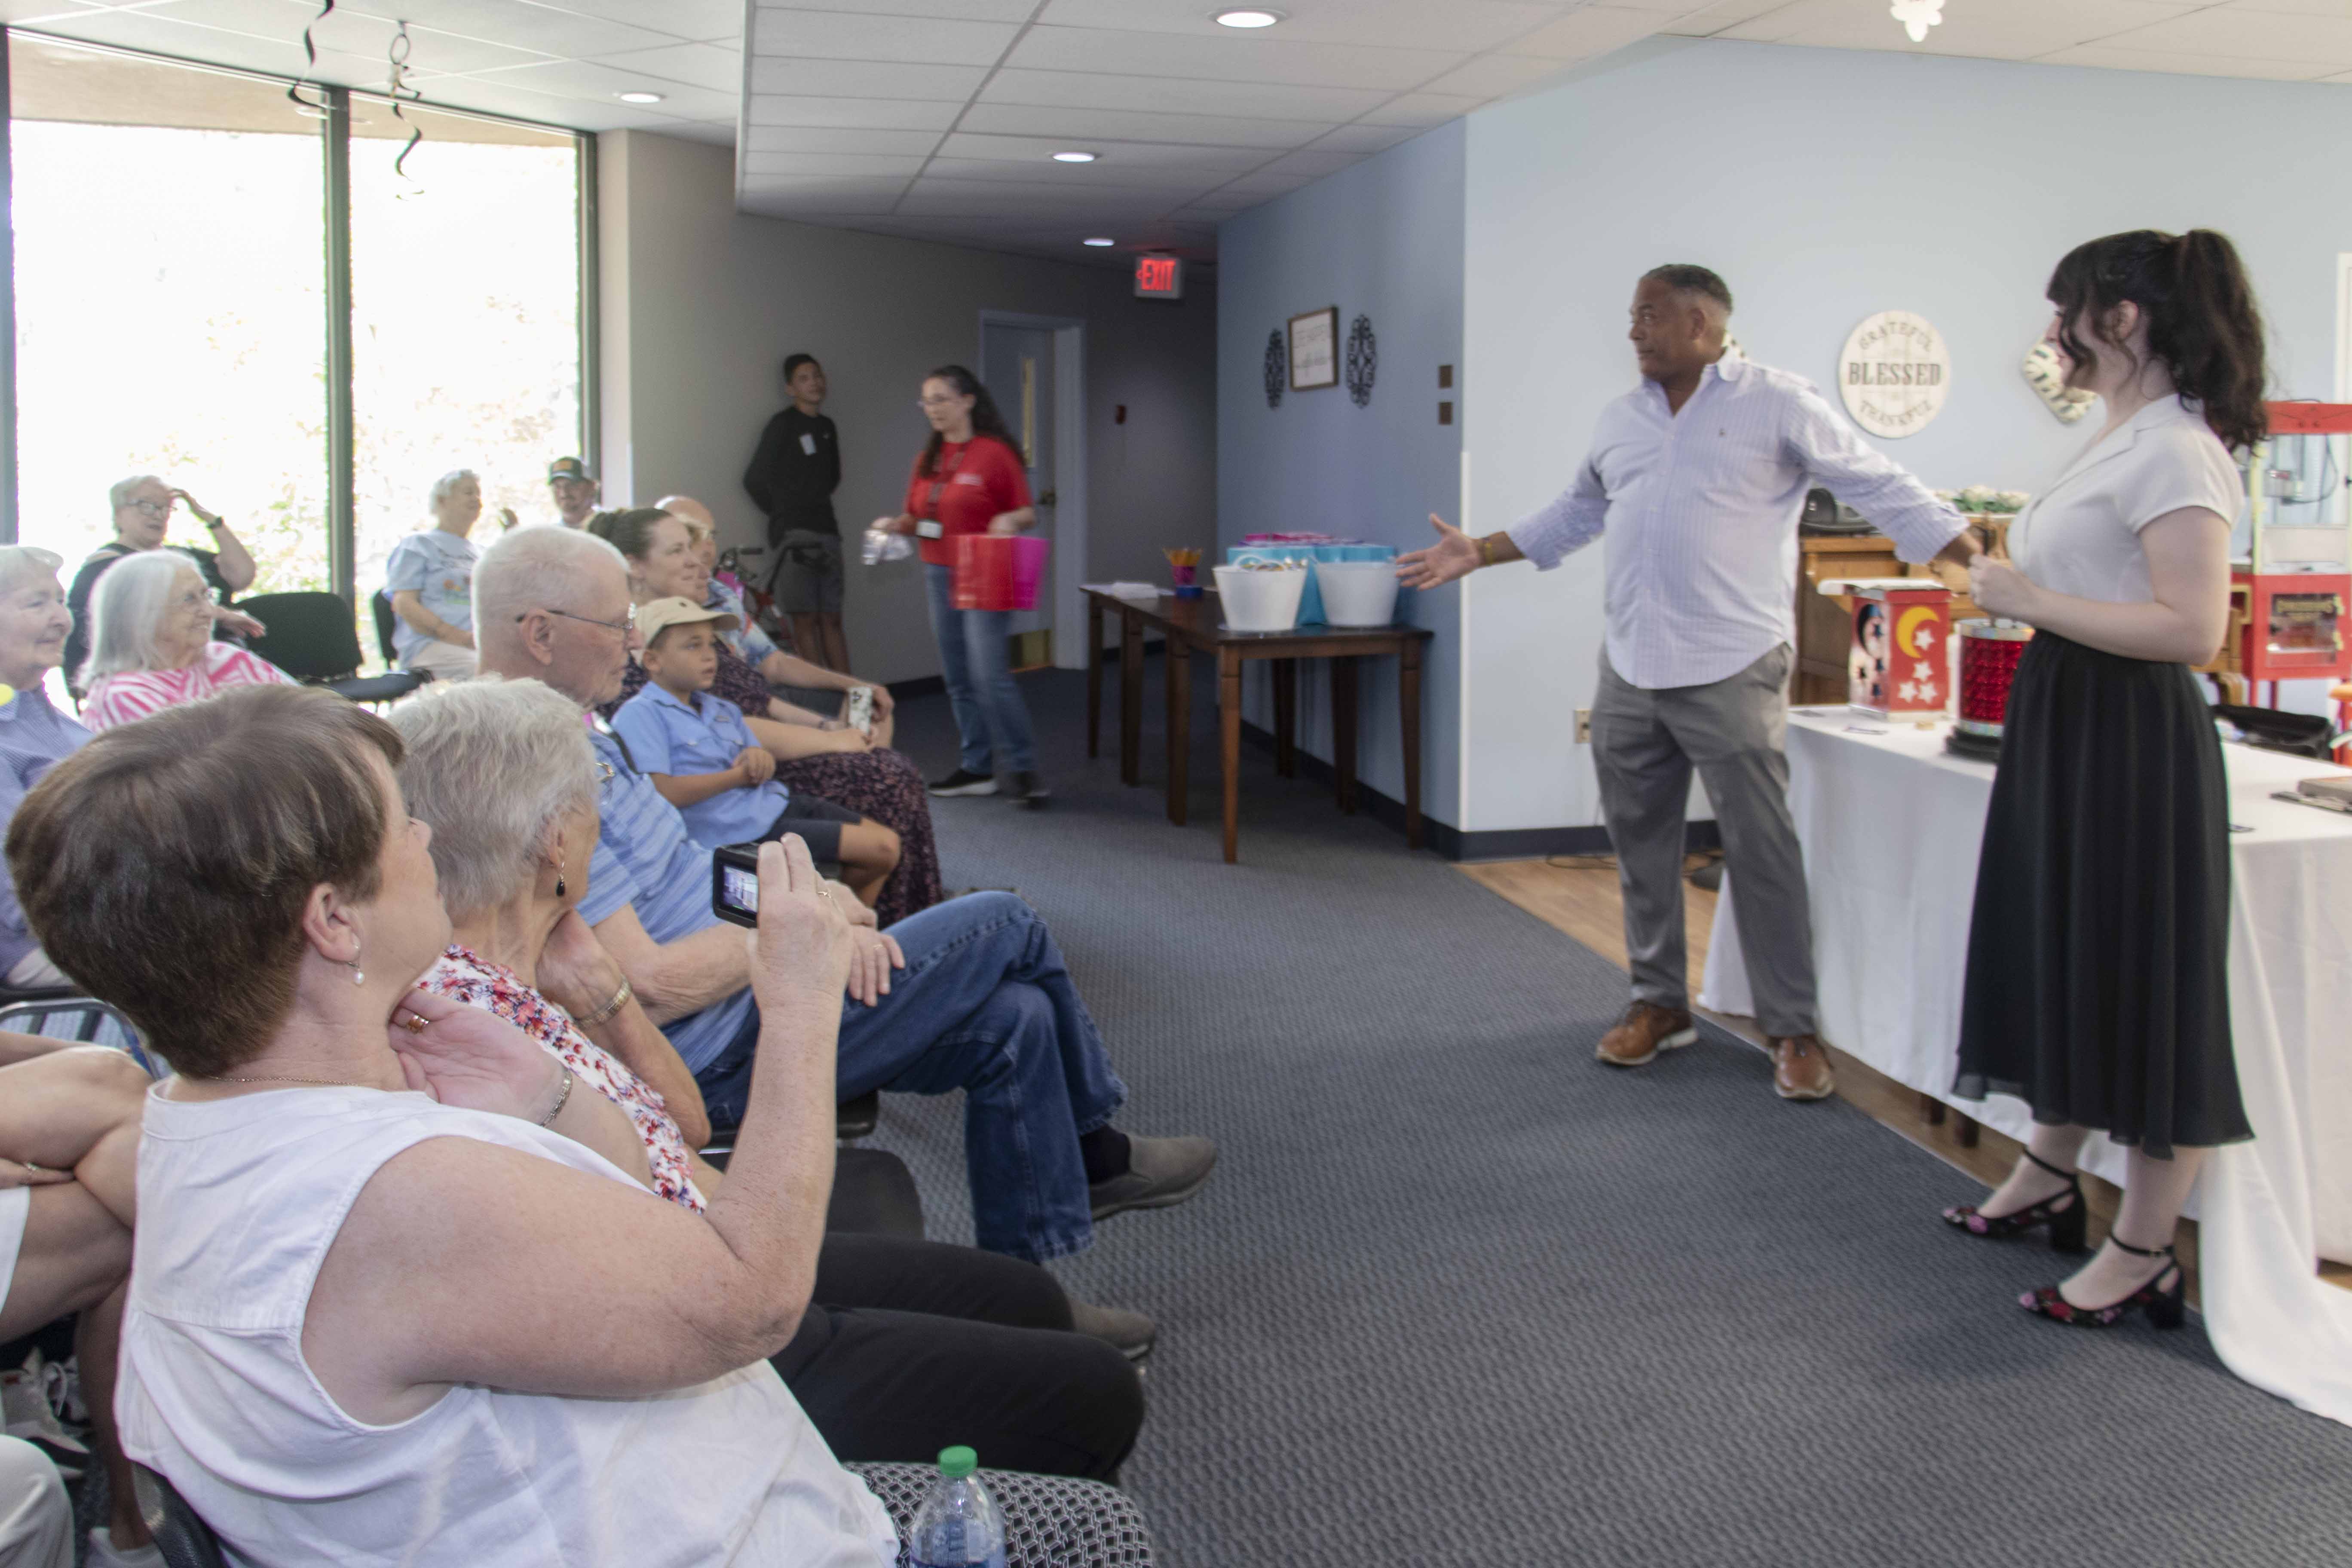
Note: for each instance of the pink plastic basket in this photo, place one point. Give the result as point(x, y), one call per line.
point(998, 571)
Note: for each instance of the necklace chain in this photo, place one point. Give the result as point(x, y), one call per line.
point(320, 1082)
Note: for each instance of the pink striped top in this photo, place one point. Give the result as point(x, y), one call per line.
point(136, 693)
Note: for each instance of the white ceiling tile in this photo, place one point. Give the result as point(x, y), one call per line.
point(698, 65)
point(1491, 75)
point(517, 25)
point(883, 113)
point(1253, 100)
point(863, 79)
point(1232, 57)
point(2113, 59)
point(1128, 125)
point(36, 10)
point(839, 139)
point(1592, 30)
point(697, 19)
point(1453, 24)
point(1314, 163)
point(1990, 29)
point(1364, 137)
point(1113, 157)
point(919, 40)
point(813, 165)
point(349, 33)
point(159, 34)
point(1421, 110)
point(2244, 34)
point(1078, 183)
point(595, 83)
point(1704, 21)
point(962, 10)
point(2298, 7)
point(493, 95)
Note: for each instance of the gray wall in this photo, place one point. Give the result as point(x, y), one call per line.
point(1952, 195)
point(1383, 239)
point(702, 303)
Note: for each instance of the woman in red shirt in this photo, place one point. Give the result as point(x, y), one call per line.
point(970, 481)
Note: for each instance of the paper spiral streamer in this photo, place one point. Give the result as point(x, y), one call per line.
point(397, 89)
point(310, 55)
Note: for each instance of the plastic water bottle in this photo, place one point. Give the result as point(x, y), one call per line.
point(958, 1525)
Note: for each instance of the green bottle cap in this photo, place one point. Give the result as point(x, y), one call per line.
point(958, 1462)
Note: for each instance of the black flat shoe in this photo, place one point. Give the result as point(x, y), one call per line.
point(2160, 1298)
point(2063, 1213)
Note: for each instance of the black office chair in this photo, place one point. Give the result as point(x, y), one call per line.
point(386, 619)
point(186, 1541)
point(312, 639)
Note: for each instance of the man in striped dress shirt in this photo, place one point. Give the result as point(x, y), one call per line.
point(1695, 481)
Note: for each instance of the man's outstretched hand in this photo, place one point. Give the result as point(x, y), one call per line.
point(1455, 554)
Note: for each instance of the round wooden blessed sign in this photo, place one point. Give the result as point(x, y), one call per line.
point(1894, 374)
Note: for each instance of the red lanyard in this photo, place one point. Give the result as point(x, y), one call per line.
point(933, 502)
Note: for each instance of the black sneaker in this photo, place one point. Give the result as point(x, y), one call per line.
point(963, 780)
point(1029, 791)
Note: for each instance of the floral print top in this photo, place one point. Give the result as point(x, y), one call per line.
point(464, 975)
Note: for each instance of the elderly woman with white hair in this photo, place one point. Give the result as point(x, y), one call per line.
point(909, 1346)
point(150, 647)
point(34, 736)
point(430, 580)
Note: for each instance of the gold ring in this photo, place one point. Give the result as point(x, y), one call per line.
point(416, 1023)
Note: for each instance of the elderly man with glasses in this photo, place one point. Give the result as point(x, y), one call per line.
point(969, 995)
point(143, 506)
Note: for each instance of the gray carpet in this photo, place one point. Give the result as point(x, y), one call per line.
point(1458, 1295)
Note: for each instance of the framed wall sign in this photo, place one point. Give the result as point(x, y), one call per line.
point(1894, 373)
point(1315, 349)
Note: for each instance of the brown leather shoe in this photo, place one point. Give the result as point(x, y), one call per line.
point(1644, 1031)
point(1801, 1069)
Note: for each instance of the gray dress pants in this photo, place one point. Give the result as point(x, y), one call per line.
point(1735, 732)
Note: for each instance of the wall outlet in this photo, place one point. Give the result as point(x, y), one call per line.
point(1584, 726)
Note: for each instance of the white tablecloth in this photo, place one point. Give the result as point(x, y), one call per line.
point(1891, 824)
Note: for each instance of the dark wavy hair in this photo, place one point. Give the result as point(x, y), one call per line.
point(985, 419)
point(2204, 326)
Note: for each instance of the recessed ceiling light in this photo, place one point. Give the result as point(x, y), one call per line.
point(1248, 18)
point(1100, 242)
point(1074, 157)
point(641, 97)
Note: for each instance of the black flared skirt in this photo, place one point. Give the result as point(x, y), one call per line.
point(2097, 979)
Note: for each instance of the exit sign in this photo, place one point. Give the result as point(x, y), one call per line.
point(1159, 278)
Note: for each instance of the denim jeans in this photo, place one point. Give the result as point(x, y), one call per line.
point(984, 1005)
point(976, 660)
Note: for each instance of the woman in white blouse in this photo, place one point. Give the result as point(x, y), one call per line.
point(2096, 985)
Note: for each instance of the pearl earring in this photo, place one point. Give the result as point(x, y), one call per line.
point(358, 978)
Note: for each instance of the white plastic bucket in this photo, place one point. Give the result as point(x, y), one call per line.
point(1357, 593)
point(1260, 601)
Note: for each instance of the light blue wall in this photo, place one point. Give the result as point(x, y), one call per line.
point(1823, 185)
point(1381, 239)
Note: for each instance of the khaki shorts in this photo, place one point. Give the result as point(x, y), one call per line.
point(809, 575)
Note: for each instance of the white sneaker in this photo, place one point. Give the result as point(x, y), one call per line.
point(25, 1406)
point(104, 1553)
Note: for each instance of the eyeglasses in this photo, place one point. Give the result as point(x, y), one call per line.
point(152, 509)
point(935, 401)
point(604, 773)
point(625, 626)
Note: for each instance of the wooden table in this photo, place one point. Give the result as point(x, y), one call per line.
point(1193, 626)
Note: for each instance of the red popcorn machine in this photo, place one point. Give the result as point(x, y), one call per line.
point(2291, 591)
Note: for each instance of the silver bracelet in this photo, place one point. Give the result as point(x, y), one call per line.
point(561, 1096)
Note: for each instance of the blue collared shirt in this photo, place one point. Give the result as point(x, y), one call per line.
point(646, 858)
point(746, 639)
point(1700, 513)
point(439, 566)
point(683, 738)
point(33, 737)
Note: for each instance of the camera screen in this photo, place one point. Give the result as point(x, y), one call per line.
point(742, 887)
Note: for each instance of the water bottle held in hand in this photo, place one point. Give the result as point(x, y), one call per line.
point(958, 1525)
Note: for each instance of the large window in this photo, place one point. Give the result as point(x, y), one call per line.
point(464, 317)
point(176, 294)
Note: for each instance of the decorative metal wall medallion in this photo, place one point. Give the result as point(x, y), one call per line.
point(1363, 360)
point(1277, 369)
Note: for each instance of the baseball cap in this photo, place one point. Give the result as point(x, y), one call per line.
point(568, 469)
point(663, 614)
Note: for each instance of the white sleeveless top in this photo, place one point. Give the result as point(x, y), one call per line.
point(238, 1201)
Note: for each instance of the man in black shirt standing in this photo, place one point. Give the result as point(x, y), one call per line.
point(143, 506)
point(792, 477)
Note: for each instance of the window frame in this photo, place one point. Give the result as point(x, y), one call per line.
point(335, 134)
